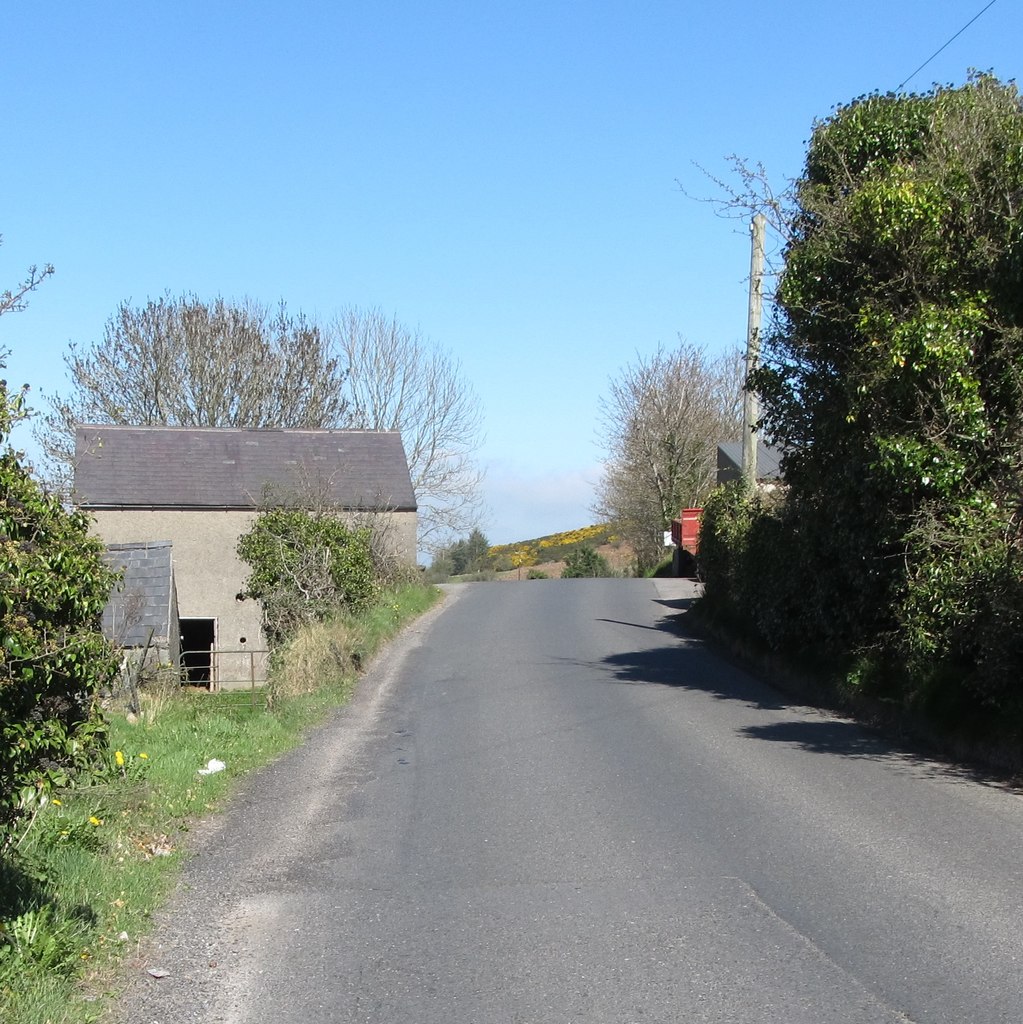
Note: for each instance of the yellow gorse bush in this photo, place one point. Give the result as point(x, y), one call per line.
point(580, 536)
point(553, 547)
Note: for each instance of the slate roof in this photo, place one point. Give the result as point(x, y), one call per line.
point(192, 468)
point(144, 598)
point(730, 461)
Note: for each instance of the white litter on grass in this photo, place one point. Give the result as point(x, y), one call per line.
point(212, 767)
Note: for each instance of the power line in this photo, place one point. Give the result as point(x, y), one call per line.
point(942, 47)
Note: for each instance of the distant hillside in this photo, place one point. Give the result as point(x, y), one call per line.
point(555, 547)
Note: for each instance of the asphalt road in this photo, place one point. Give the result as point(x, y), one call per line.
point(550, 805)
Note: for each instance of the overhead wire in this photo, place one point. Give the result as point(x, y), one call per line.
point(946, 43)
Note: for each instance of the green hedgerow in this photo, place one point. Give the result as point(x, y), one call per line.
point(53, 657)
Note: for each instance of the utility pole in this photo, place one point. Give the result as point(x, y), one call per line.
point(750, 405)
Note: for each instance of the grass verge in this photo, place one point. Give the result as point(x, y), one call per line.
point(78, 890)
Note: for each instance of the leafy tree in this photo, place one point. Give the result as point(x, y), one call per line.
point(468, 555)
point(305, 566)
point(662, 421)
point(471, 554)
point(458, 553)
point(585, 561)
point(53, 657)
point(895, 381)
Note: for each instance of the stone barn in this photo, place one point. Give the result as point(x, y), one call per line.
point(197, 490)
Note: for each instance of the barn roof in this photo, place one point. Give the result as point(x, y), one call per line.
point(140, 608)
point(730, 461)
point(224, 468)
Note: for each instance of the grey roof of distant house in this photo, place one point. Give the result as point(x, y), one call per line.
point(139, 609)
point(730, 461)
point(187, 468)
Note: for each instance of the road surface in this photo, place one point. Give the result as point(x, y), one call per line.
point(549, 805)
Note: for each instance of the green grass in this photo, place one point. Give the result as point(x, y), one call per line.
point(662, 569)
point(77, 894)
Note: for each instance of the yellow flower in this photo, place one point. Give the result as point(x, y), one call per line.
point(95, 821)
point(144, 756)
point(119, 758)
point(57, 803)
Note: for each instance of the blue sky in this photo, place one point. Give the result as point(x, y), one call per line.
point(502, 176)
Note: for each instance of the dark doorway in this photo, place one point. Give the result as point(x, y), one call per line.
point(197, 643)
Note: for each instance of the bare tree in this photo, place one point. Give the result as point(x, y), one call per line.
point(750, 190)
point(662, 420)
point(13, 300)
point(398, 380)
point(186, 362)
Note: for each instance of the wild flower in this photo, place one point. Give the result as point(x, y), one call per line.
point(132, 768)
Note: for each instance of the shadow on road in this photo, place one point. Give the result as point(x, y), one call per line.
point(686, 663)
point(825, 736)
point(668, 623)
point(678, 604)
point(688, 666)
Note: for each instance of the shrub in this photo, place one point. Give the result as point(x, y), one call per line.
point(665, 567)
point(724, 529)
point(305, 567)
point(585, 561)
point(53, 657)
